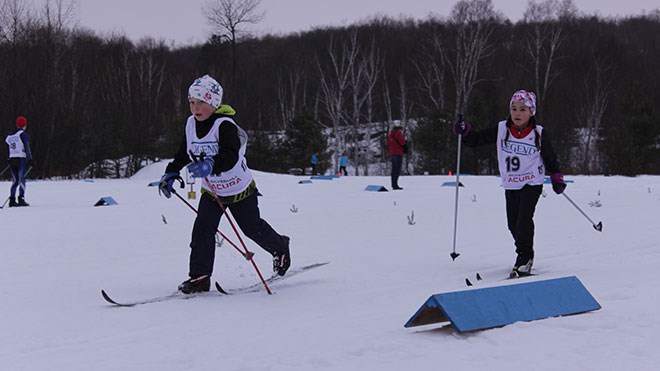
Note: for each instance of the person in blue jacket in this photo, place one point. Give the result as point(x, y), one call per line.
point(313, 162)
point(343, 162)
point(20, 160)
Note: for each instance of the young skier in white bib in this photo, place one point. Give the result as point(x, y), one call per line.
point(213, 148)
point(525, 155)
point(20, 160)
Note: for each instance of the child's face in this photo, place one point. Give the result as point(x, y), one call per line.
point(520, 114)
point(200, 109)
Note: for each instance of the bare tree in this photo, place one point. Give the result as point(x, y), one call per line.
point(431, 68)
point(290, 82)
point(547, 20)
point(14, 14)
point(227, 17)
point(150, 77)
point(56, 16)
point(372, 65)
point(474, 22)
point(59, 14)
point(404, 108)
point(363, 77)
point(598, 90)
point(387, 103)
point(335, 82)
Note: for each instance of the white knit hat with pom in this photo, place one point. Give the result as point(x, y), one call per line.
point(207, 89)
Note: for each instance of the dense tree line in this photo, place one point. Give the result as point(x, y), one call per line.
point(90, 98)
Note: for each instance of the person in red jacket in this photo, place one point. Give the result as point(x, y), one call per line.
point(396, 147)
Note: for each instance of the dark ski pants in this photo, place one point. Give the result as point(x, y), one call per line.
point(520, 207)
point(397, 162)
point(246, 216)
point(18, 167)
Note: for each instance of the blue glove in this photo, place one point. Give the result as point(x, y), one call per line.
point(462, 128)
point(201, 169)
point(166, 184)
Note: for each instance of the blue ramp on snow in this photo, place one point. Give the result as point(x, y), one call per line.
point(452, 184)
point(324, 177)
point(498, 306)
point(305, 182)
point(106, 201)
point(376, 188)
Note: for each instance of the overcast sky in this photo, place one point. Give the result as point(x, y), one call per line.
point(182, 21)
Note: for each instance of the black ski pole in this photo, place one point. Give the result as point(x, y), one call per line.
point(454, 254)
point(598, 227)
point(7, 168)
point(26, 173)
point(7, 200)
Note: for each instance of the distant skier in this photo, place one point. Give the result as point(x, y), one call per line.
point(525, 154)
point(396, 147)
point(20, 160)
point(313, 162)
point(218, 145)
point(343, 162)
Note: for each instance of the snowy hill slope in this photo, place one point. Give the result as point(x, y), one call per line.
point(56, 255)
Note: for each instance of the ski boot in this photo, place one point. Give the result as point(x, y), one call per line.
point(196, 284)
point(12, 202)
point(282, 261)
point(522, 268)
point(21, 202)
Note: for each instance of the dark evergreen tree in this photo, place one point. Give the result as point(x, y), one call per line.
point(431, 139)
point(263, 151)
point(303, 138)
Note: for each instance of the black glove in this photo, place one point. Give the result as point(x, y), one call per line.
point(31, 163)
point(558, 184)
point(462, 128)
point(166, 184)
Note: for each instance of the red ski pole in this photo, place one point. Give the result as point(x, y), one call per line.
point(249, 253)
point(231, 222)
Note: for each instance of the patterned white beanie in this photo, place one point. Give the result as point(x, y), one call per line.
point(525, 97)
point(207, 89)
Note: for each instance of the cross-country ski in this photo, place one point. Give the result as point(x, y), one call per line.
point(274, 278)
point(156, 299)
point(180, 295)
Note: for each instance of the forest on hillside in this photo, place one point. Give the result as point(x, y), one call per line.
point(336, 90)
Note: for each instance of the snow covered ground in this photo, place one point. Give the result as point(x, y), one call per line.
point(57, 255)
